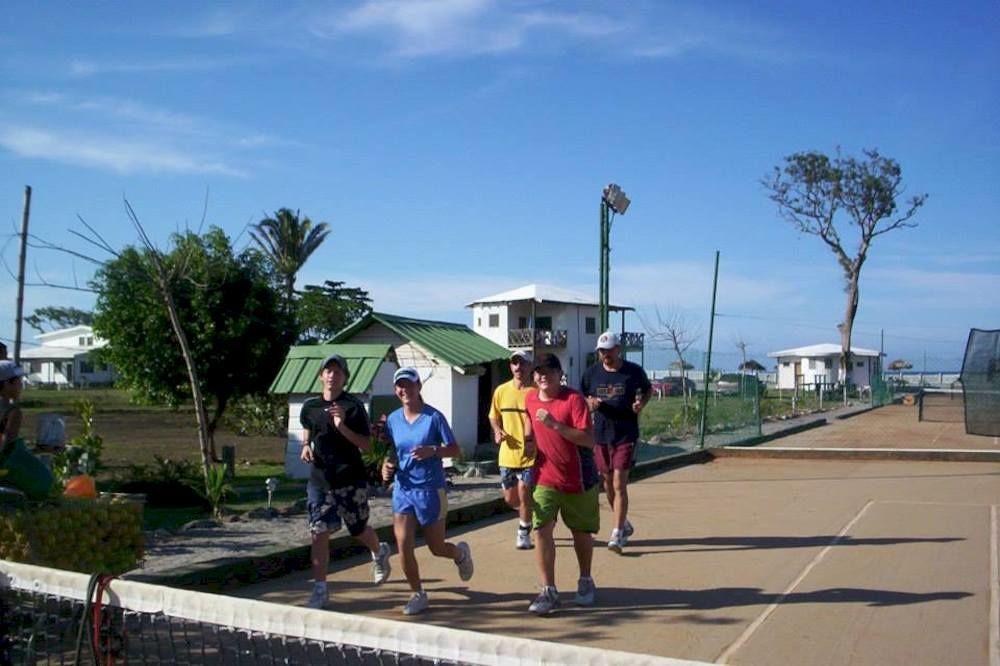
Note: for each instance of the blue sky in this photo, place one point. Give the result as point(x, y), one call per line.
point(458, 148)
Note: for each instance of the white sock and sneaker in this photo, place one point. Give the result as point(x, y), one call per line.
point(380, 573)
point(585, 591)
point(546, 602)
point(464, 563)
point(381, 568)
point(619, 538)
point(419, 602)
point(523, 541)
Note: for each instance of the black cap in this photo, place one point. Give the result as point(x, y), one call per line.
point(339, 360)
point(548, 361)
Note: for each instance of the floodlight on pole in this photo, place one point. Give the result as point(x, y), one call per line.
point(613, 200)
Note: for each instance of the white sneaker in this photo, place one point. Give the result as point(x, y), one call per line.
point(627, 533)
point(546, 602)
point(417, 604)
point(585, 592)
point(381, 568)
point(465, 563)
point(523, 538)
point(318, 598)
point(616, 543)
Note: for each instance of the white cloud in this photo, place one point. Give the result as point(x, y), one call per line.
point(88, 68)
point(416, 28)
point(109, 152)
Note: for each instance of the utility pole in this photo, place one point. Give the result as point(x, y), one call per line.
point(20, 273)
point(708, 357)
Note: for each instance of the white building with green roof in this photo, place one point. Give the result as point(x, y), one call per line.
point(458, 369)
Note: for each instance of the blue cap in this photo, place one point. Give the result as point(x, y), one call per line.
point(409, 374)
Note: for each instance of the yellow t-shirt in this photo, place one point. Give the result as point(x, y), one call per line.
point(508, 407)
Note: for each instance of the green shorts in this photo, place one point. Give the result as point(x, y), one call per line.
point(579, 510)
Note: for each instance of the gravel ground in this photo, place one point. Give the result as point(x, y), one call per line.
point(166, 550)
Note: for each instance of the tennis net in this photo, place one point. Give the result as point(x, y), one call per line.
point(49, 616)
point(941, 405)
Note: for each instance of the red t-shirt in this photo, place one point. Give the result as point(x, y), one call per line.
point(561, 464)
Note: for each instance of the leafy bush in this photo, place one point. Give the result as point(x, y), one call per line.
point(380, 449)
point(82, 454)
point(258, 415)
point(165, 483)
point(217, 489)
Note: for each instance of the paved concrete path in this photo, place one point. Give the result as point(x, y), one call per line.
point(745, 562)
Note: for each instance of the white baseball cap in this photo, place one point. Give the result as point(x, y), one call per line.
point(9, 370)
point(409, 374)
point(608, 340)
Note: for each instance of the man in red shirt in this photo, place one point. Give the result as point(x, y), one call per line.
point(567, 479)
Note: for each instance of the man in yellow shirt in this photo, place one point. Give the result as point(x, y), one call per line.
point(517, 456)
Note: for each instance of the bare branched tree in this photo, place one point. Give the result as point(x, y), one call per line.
point(673, 331)
point(742, 346)
point(163, 279)
point(813, 192)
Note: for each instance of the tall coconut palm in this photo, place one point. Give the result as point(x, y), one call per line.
point(287, 240)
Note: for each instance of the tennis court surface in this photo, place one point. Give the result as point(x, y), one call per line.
point(742, 561)
point(893, 427)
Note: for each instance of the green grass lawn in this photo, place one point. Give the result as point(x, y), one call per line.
point(663, 417)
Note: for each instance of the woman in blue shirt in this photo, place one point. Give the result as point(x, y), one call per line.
point(422, 437)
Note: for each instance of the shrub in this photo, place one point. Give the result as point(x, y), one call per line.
point(82, 454)
point(217, 489)
point(165, 483)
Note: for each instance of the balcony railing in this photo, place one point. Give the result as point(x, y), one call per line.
point(536, 337)
point(632, 341)
point(540, 337)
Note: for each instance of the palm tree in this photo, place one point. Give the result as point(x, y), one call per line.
point(287, 241)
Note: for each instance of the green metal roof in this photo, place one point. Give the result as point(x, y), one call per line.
point(455, 344)
point(300, 371)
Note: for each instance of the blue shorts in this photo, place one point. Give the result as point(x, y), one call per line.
point(509, 476)
point(331, 507)
point(429, 506)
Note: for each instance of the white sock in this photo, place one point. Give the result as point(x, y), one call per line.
point(523, 525)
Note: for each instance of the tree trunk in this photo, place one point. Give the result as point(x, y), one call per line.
point(204, 441)
point(846, 328)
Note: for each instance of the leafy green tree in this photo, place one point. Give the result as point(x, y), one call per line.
point(816, 193)
point(54, 317)
point(322, 310)
point(231, 317)
point(287, 241)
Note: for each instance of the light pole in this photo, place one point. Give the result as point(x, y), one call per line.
point(613, 200)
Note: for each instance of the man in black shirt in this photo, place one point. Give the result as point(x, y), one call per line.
point(616, 391)
point(336, 431)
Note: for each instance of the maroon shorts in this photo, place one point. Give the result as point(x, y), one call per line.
point(614, 456)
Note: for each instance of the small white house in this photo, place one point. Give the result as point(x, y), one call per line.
point(458, 368)
point(63, 358)
point(371, 368)
point(543, 318)
point(815, 365)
